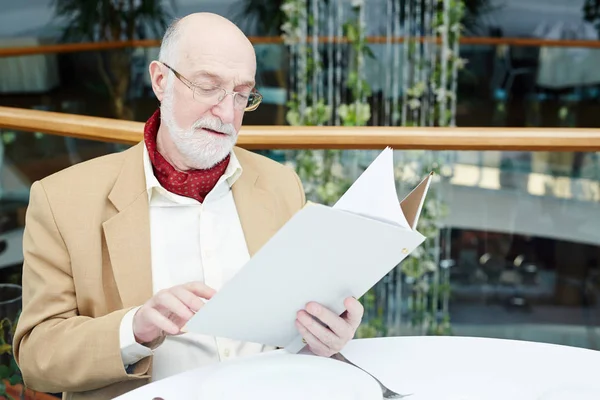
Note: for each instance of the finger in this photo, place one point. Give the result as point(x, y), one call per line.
point(354, 312)
point(161, 322)
point(331, 340)
point(336, 323)
point(171, 304)
point(189, 299)
point(200, 289)
point(314, 344)
point(180, 322)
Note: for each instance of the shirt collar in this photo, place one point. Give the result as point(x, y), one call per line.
point(231, 175)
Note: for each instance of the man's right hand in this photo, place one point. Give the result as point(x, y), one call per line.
point(169, 310)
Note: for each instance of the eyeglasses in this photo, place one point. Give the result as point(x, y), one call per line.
point(213, 95)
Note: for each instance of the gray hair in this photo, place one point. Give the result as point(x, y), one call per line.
point(168, 46)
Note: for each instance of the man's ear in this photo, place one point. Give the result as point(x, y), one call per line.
point(158, 78)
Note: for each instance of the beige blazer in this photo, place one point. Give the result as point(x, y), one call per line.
point(87, 262)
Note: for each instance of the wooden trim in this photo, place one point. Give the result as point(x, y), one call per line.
point(328, 137)
point(79, 126)
point(74, 47)
point(480, 41)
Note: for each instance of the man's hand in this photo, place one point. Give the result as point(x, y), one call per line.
point(169, 310)
point(330, 333)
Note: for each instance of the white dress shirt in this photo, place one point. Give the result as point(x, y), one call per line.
point(191, 241)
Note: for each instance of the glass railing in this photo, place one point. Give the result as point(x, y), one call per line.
point(514, 252)
point(510, 262)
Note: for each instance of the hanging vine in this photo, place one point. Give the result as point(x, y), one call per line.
point(358, 111)
point(422, 79)
point(321, 171)
point(430, 100)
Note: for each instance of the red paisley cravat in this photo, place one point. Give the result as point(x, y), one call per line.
point(194, 183)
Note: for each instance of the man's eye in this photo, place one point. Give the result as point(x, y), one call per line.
point(207, 89)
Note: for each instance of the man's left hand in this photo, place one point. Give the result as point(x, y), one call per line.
point(330, 335)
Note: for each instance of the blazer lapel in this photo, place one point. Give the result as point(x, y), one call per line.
point(255, 206)
point(127, 234)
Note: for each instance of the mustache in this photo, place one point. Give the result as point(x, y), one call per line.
point(214, 124)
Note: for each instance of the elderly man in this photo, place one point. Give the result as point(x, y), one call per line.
point(121, 251)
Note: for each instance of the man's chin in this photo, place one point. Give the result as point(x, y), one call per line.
point(207, 161)
point(204, 150)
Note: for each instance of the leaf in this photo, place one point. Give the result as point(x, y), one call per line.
point(367, 51)
point(352, 32)
point(107, 20)
point(4, 372)
point(13, 367)
point(15, 380)
point(5, 348)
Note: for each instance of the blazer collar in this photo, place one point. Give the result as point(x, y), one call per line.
point(131, 181)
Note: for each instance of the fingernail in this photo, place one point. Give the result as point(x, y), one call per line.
point(183, 330)
point(313, 308)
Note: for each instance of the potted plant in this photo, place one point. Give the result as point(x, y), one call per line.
point(109, 20)
point(11, 382)
point(10, 375)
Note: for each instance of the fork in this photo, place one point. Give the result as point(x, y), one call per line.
point(386, 392)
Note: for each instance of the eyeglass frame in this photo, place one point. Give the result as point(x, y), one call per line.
point(192, 86)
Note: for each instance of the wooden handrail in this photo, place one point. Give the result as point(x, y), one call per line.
point(481, 41)
point(335, 137)
point(74, 47)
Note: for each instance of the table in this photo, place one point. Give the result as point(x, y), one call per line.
point(450, 368)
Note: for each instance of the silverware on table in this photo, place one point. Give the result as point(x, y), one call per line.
point(386, 392)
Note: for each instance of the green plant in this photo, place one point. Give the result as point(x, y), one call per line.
point(591, 13)
point(474, 9)
point(9, 370)
point(264, 17)
point(421, 268)
point(112, 20)
point(321, 171)
point(431, 101)
point(358, 111)
point(429, 86)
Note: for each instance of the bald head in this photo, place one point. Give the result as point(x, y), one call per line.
point(205, 35)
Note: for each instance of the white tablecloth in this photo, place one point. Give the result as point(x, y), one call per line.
point(27, 74)
point(450, 368)
point(453, 368)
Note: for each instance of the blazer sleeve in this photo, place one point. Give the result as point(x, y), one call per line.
point(57, 349)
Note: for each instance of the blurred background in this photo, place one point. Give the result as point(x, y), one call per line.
point(513, 244)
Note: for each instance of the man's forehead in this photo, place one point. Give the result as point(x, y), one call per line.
point(204, 59)
point(219, 69)
point(221, 77)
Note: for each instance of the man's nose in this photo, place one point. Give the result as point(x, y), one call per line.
point(225, 109)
